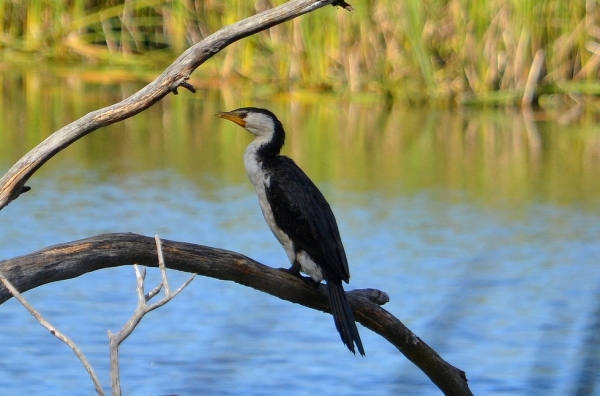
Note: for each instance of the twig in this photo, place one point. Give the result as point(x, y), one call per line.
point(343, 4)
point(161, 264)
point(54, 332)
point(141, 310)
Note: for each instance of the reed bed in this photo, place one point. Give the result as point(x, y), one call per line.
point(452, 51)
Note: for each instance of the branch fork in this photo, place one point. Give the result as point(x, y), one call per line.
point(115, 339)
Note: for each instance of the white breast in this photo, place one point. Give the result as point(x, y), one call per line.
point(261, 180)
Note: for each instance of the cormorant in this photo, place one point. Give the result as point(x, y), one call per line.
point(297, 214)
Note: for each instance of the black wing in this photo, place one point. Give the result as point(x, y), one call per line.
point(302, 212)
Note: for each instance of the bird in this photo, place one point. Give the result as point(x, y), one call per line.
point(298, 215)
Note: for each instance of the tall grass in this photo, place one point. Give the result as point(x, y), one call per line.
point(417, 50)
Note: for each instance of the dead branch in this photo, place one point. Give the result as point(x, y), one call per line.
point(54, 331)
point(115, 339)
point(12, 184)
point(72, 259)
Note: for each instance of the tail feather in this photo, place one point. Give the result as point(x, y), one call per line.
point(343, 317)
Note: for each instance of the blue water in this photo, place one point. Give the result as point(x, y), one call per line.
point(509, 294)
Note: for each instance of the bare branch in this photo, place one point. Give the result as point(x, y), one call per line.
point(12, 184)
point(153, 292)
point(54, 332)
point(161, 265)
point(140, 275)
point(343, 4)
point(115, 340)
point(73, 259)
point(183, 286)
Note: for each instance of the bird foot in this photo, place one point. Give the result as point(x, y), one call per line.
point(293, 270)
point(310, 281)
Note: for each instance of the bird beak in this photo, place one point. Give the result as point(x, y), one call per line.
point(231, 116)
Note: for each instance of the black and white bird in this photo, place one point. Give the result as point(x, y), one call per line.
point(298, 214)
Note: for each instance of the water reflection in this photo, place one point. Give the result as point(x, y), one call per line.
point(481, 225)
point(493, 155)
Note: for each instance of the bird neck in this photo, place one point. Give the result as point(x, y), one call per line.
point(270, 145)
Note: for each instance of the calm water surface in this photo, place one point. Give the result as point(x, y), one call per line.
point(481, 226)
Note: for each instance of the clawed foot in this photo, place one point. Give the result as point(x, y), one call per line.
point(310, 281)
point(295, 270)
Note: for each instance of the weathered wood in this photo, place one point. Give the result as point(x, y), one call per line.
point(12, 184)
point(72, 259)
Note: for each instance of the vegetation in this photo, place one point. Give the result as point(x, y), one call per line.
point(480, 51)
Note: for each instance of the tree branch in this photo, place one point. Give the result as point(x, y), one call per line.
point(115, 339)
point(54, 331)
point(72, 259)
point(12, 184)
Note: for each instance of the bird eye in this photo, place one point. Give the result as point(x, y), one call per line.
point(243, 114)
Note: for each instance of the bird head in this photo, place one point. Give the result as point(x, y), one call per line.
point(259, 122)
point(263, 124)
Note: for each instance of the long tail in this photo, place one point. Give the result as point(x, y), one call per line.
point(343, 318)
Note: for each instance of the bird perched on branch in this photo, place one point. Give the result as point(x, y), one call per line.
point(298, 214)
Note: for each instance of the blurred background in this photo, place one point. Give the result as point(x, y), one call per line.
point(432, 51)
point(479, 219)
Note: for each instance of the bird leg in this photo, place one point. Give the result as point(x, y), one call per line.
point(295, 270)
point(310, 281)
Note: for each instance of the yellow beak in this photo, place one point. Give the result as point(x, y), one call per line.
point(232, 117)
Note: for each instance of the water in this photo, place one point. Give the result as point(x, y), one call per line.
point(486, 243)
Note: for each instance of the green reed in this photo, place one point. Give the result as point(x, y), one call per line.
point(478, 51)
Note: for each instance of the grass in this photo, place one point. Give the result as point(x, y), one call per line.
point(442, 51)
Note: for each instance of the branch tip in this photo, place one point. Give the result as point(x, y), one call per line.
point(185, 85)
point(140, 272)
point(153, 292)
point(189, 87)
point(343, 4)
point(377, 296)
